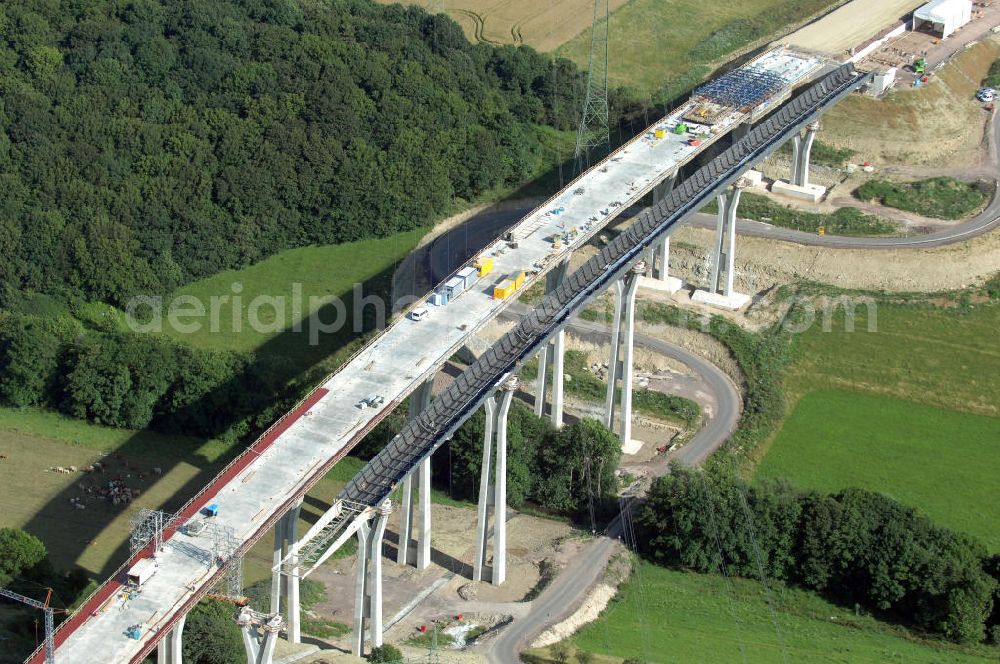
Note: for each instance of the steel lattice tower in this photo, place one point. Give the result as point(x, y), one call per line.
point(594, 131)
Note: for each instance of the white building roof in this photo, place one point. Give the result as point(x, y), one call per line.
point(954, 12)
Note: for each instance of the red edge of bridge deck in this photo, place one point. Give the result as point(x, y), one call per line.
point(110, 587)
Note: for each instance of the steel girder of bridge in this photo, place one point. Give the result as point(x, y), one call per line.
point(370, 489)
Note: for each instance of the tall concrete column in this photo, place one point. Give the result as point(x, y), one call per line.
point(801, 150)
point(277, 578)
point(558, 377)
point(720, 291)
point(541, 380)
point(260, 635)
point(419, 401)
point(493, 486)
point(368, 589)
point(658, 259)
point(286, 585)
point(170, 649)
point(552, 354)
point(293, 608)
point(622, 346)
point(725, 240)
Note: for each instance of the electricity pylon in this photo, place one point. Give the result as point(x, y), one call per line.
point(594, 131)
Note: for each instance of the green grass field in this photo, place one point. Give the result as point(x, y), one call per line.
point(663, 615)
point(31, 496)
point(911, 409)
point(941, 197)
point(944, 356)
point(320, 272)
point(843, 221)
point(838, 438)
point(661, 48)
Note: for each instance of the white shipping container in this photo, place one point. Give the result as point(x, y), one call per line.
point(141, 571)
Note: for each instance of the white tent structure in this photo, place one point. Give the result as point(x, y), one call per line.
point(945, 16)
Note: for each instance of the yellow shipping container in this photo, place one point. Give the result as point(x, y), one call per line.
point(518, 279)
point(504, 289)
point(484, 265)
point(660, 133)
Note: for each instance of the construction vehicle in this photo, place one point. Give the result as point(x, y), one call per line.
point(134, 632)
point(920, 65)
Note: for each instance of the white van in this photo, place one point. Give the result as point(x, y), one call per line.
point(419, 313)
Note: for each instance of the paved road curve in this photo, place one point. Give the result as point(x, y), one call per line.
point(568, 591)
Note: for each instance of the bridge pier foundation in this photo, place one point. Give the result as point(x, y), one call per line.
point(170, 649)
point(260, 635)
point(552, 353)
point(368, 589)
point(287, 585)
point(419, 400)
point(493, 486)
point(799, 186)
point(622, 346)
point(720, 292)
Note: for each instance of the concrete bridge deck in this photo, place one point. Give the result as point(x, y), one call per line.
point(264, 482)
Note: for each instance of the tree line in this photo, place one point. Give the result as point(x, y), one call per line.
point(148, 143)
point(135, 381)
point(854, 546)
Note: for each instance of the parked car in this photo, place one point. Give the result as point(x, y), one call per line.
point(986, 95)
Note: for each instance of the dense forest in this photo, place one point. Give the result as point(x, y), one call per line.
point(147, 143)
point(856, 547)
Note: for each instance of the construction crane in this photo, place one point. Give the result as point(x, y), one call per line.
point(50, 649)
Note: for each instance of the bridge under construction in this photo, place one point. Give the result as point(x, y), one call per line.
point(262, 488)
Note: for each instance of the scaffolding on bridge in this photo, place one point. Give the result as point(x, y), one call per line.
point(742, 89)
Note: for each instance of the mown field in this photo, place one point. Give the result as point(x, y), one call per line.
point(911, 409)
point(663, 615)
point(838, 438)
point(661, 48)
point(658, 47)
point(37, 499)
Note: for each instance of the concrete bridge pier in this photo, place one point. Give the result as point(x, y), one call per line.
point(287, 585)
point(720, 292)
point(368, 589)
point(622, 346)
point(493, 486)
point(552, 353)
point(170, 649)
point(405, 555)
point(799, 186)
point(659, 254)
point(260, 635)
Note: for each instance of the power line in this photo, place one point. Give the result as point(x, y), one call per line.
point(594, 131)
